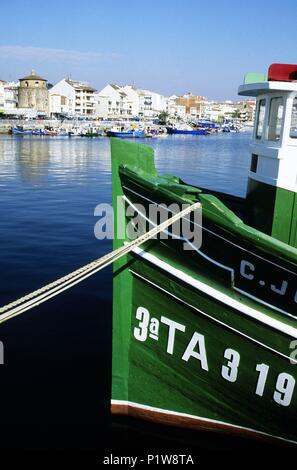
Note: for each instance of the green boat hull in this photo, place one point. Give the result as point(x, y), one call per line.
point(202, 338)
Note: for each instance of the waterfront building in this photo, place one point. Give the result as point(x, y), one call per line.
point(218, 111)
point(112, 102)
point(246, 110)
point(33, 93)
point(227, 110)
point(193, 104)
point(62, 98)
point(115, 101)
point(151, 104)
point(8, 96)
point(132, 101)
point(11, 95)
point(72, 97)
point(84, 98)
point(175, 110)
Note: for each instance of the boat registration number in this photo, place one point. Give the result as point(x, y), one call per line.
point(148, 327)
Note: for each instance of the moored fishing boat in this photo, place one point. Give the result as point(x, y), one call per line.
point(62, 133)
point(49, 132)
point(21, 131)
point(38, 132)
point(126, 134)
point(207, 124)
point(204, 326)
point(89, 132)
point(174, 130)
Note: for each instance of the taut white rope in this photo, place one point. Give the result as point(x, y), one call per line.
point(48, 291)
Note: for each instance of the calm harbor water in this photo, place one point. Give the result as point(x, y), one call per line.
point(55, 384)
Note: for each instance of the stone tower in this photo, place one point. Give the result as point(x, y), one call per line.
point(33, 93)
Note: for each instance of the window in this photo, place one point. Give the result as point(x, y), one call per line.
point(260, 119)
point(293, 128)
point(275, 118)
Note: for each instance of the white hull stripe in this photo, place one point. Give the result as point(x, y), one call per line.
point(256, 299)
point(225, 325)
point(198, 418)
point(214, 293)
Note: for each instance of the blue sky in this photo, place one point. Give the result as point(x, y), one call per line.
point(168, 46)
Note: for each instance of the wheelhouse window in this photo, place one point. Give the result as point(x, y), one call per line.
point(260, 119)
point(293, 128)
point(276, 111)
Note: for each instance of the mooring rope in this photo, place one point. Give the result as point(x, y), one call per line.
point(48, 291)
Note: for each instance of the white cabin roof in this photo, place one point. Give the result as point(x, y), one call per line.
point(255, 89)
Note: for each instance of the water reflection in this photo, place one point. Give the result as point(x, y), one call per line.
point(36, 159)
point(219, 161)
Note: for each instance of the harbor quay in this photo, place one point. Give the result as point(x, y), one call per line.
point(76, 106)
point(76, 127)
point(114, 128)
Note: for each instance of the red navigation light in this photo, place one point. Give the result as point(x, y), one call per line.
point(282, 72)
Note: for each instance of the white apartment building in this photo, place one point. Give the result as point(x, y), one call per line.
point(151, 103)
point(133, 99)
point(127, 101)
point(216, 110)
point(11, 95)
point(62, 98)
point(84, 98)
point(72, 97)
point(112, 102)
point(175, 110)
point(8, 95)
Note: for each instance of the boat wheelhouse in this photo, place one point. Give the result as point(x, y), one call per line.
point(271, 196)
point(204, 333)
